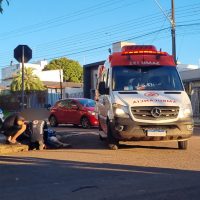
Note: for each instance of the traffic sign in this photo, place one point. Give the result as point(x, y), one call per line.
point(22, 51)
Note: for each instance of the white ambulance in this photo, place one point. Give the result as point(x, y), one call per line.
point(140, 97)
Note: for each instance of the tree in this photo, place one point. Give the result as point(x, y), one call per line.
point(31, 81)
point(1, 8)
point(72, 70)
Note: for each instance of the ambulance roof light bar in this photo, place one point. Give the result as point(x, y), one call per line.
point(141, 50)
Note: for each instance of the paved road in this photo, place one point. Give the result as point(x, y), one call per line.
point(146, 171)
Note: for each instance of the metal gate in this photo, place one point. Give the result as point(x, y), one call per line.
point(195, 100)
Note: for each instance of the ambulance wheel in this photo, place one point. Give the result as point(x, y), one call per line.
point(101, 138)
point(85, 123)
point(113, 146)
point(53, 121)
point(183, 144)
point(1, 122)
point(113, 143)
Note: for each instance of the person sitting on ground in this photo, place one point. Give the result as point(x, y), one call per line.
point(52, 141)
point(41, 137)
point(13, 126)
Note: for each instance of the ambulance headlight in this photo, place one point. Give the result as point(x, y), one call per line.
point(185, 112)
point(120, 111)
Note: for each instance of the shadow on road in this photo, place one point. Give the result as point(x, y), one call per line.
point(89, 139)
point(25, 178)
point(92, 141)
point(132, 146)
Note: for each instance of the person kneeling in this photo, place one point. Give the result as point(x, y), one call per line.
point(13, 126)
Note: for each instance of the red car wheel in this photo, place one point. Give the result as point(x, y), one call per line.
point(85, 123)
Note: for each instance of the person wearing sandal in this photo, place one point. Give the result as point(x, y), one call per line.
point(13, 126)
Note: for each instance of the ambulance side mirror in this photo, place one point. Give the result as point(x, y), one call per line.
point(102, 88)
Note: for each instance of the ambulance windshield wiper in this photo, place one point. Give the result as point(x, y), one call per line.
point(128, 92)
point(172, 92)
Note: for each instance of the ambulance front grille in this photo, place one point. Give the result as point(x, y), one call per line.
point(155, 112)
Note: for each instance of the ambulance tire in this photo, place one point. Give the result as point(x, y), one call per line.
point(183, 144)
point(100, 129)
point(113, 143)
point(101, 138)
point(1, 123)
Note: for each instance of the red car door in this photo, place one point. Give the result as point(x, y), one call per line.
point(63, 112)
point(74, 112)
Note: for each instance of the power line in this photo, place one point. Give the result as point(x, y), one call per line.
point(128, 39)
point(48, 25)
point(44, 25)
point(139, 26)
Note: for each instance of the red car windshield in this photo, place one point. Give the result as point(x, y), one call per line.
point(87, 102)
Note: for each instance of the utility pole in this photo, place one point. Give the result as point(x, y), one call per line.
point(22, 78)
point(173, 31)
point(173, 26)
point(61, 92)
point(22, 53)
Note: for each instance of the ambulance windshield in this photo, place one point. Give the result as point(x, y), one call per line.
point(145, 78)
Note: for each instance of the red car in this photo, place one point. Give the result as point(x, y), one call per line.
point(76, 111)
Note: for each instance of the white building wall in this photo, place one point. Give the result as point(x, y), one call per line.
point(186, 67)
point(190, 74)
point(50, 75)
point(10, 71)
point(116, 47)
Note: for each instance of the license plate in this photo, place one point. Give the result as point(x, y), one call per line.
point(156, 132)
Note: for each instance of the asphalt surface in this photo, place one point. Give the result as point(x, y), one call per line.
point(145, 170)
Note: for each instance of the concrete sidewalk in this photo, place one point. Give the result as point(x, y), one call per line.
point(7, 148)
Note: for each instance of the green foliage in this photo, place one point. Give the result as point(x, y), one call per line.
point(31, 81)
point(72, 70)
point(1, 1)
point(6, 113)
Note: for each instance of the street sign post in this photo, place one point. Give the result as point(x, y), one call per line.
point(22, 53)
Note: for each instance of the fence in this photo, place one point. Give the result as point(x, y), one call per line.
point(195, 99)
point(33, 99)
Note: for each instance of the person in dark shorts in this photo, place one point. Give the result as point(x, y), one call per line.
point(52, 141)
point(13, 126)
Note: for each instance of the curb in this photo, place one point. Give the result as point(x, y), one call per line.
point(2, 139)
point(7, 149)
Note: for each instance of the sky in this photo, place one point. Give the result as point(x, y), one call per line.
point(85, 30)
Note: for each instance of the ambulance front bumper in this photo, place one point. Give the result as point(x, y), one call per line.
point(129, 130)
